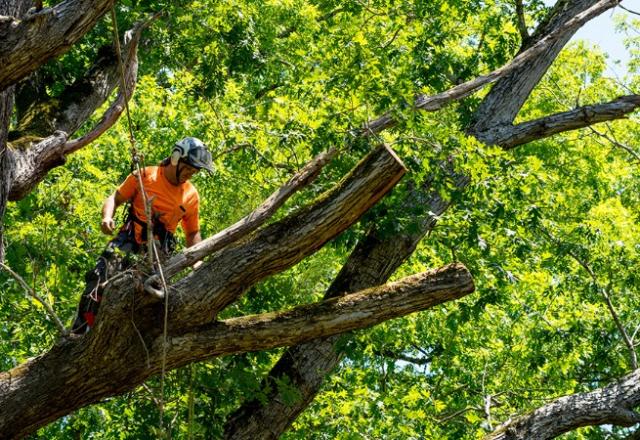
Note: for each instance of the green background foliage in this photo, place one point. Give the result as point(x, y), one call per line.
point(269, 84)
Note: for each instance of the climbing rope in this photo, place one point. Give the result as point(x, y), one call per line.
point(152, 250)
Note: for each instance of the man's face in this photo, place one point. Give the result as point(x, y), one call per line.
point(187, 172)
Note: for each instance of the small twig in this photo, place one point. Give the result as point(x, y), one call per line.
point(152, 393)
point(603, 291)
point(223, 129)
point(392, 39)
point(629, 10)
point(32, 293)
point(616, 143)
point(457, 413)
point(403, 357)
point(635, 333)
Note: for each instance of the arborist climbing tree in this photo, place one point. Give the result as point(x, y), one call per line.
point(166, 192)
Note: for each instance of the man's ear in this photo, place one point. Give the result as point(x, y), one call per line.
point(176, 155)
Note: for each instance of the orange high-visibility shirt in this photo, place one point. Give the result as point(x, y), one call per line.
point(170, 204)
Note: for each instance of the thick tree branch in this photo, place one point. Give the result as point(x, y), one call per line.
point(130, 62)
point(327, 318)
point(6, 109)
point(70, 376)
point(510, 136)
point(375, 258)
point(507, 96)
point(611, 405)
point(27, 42)
point(55, 376)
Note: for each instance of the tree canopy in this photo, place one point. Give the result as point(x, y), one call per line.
point(508, 163)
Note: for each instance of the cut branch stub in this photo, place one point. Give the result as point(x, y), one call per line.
point(285, 243)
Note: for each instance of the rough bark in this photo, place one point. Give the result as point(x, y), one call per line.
point(15, 8)
point(510, 136)
point(116, 355)
point(6, 171)
point(196, 300)
point(611, 405)
point(33, 157)
point(40, 115)
point(285, 243)
point(78, 372)
point(29, 40)
point(330, 317)
point(510, 92)
point(376, 257)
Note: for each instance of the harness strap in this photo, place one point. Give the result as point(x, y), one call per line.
point(167, 239)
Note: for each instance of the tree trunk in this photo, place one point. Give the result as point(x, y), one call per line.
point(7, 8)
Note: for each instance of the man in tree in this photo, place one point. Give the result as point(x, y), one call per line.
point(172, 199)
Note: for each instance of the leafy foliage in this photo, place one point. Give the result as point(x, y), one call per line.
point(269, 84)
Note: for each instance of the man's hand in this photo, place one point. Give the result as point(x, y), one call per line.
point(107, 226)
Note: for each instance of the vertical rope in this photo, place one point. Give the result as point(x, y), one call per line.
point(152, 251)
